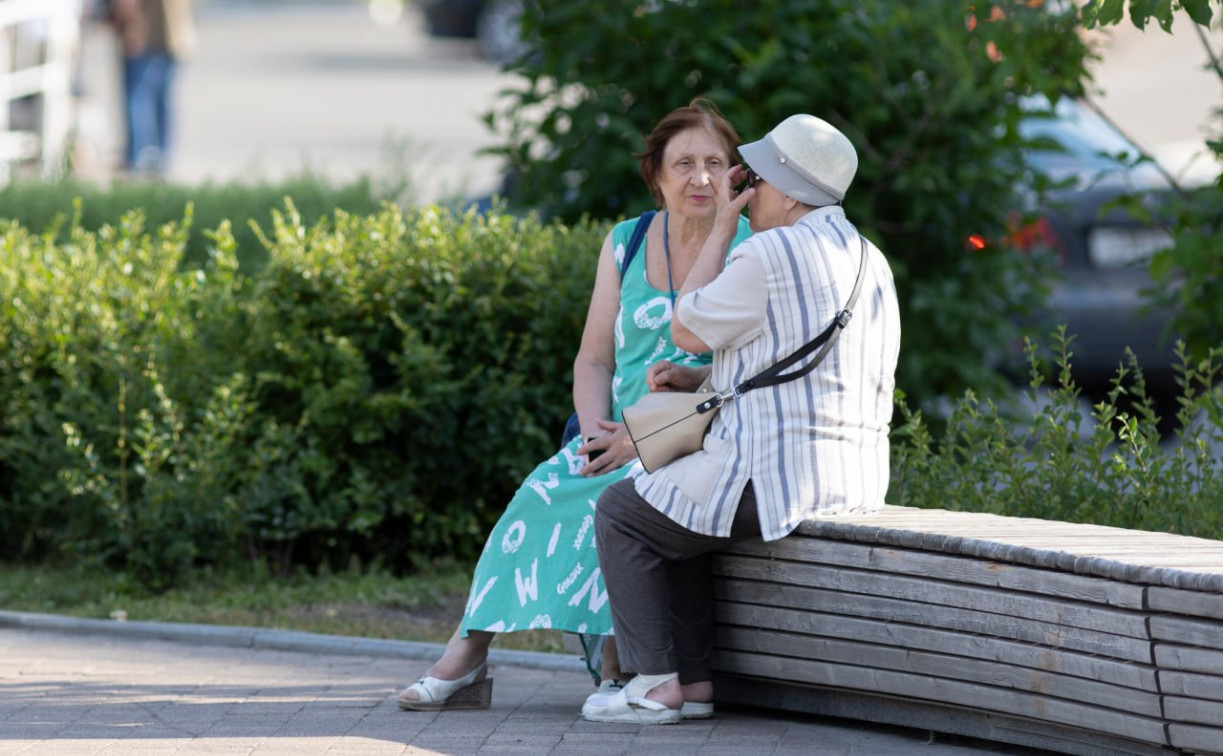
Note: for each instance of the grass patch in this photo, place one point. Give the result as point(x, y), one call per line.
point(424, 607)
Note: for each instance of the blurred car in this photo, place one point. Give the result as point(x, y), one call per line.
point(493, 24)
point(1103, 249)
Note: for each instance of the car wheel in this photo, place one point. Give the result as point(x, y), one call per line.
point(498, 34)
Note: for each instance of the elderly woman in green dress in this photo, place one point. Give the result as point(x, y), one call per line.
point(539, 568)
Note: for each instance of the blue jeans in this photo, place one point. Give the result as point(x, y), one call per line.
point(147, 82)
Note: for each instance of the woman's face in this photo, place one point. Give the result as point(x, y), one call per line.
point(692, 166)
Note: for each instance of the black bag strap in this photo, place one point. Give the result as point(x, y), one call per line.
point(771, 376)
point(634, 242)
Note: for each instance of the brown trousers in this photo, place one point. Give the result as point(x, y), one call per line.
point(658, 580)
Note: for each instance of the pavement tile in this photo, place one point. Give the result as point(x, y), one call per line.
point(154, 697)
point(448, 743)
point(364, 745)
point(541, 743)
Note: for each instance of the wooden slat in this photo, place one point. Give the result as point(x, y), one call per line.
point(1190, 603)
point(906, 636)
point(1192, 685)
point(952, 568)
point(984, 698)
point(932, 615)
point(1196, 739)
point(1189, 658)
point(1191, 632)
point(927, 715)
point(1195, 711)
point(1069, 613)
point(962, 533)
point(762, 644)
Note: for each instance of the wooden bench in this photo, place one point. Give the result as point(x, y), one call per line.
point(1080, 639)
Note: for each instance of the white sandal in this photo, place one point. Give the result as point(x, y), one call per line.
point(629, 704)
point(434, 694)
point(608, 688)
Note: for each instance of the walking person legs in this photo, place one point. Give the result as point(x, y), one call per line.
point(163, 109)
point(146, 80)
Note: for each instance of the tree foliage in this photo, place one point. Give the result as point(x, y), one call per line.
point(1108, 12)
point(1189, 275)
point(929, 93)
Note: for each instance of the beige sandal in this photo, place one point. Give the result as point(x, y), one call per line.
point(608, 688)
point(628, 705)
point(434, 694)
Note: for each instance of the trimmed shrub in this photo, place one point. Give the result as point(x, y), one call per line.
point(376, 391)
point(40, 205)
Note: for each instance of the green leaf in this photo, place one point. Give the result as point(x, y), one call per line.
point(1110, 12)
point(1198, 10)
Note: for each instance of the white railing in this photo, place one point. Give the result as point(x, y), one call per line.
point(38, 44)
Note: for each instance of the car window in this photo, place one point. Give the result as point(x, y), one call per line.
point(1071, 141)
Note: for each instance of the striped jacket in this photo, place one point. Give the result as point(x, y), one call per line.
point(811, 447)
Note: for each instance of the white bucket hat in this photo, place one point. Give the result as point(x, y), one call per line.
point(805, 158)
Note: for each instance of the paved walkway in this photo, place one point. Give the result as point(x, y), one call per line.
point(98, 688)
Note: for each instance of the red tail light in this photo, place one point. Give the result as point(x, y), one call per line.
point(1034, 235)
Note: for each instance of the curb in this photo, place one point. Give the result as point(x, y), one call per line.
point(274, 640)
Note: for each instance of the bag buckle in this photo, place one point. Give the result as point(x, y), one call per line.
point(710, 404)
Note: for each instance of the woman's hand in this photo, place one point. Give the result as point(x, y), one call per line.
point(615, 449)
point(667, 376)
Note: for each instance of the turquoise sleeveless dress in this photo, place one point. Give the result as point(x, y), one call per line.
point(539, 568)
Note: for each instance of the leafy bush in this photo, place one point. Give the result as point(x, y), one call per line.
point(409, 372)
point(928, 92)
point(376, 391)
point(1189, 275)
point(1050, 459)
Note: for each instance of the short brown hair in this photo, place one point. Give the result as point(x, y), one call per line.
point(700, 113)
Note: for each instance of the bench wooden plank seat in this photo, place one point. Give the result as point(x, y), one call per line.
point(1081, 639)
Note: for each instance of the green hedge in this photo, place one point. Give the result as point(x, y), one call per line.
point(375, 392)
point(41, 205)
point(377, 388)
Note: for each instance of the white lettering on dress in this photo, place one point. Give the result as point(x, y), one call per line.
point(475, 602)
point(540, 487)
point(620, 327)
point(654, 314)
point(597, 600)
point(527, 589)
point(575, 462)
point(541, 621)
point(587, 521)
point(564, 585)
point(513, 537)
point(556, 534)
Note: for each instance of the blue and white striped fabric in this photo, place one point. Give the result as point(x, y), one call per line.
point(812, 447)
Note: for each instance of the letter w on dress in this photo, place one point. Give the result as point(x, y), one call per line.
point(527, 589)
